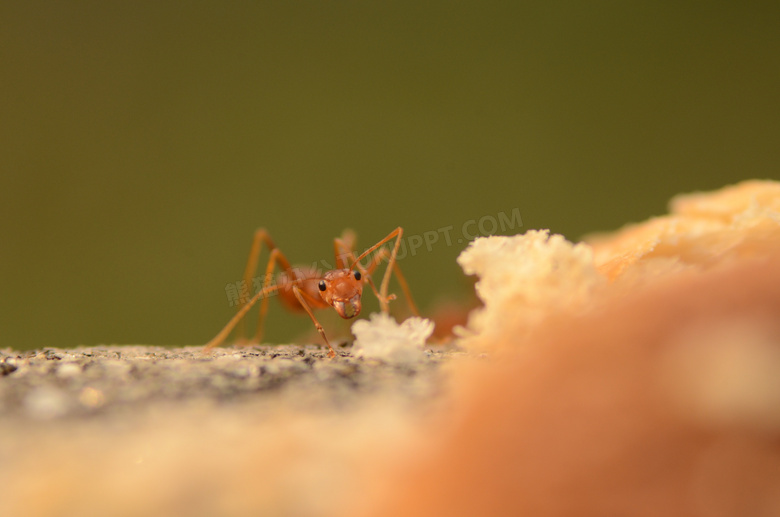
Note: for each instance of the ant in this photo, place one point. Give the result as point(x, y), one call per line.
point(305, 289)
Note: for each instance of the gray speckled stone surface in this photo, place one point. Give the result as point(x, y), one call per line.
point(59, 383)
point(266, 430)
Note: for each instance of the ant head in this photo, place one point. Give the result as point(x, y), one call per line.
point(342, 289)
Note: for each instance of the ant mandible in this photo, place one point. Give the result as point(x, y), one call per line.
point(305, 289)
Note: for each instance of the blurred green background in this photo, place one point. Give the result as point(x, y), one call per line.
point(143, 142)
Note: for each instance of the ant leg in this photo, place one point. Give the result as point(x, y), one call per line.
point(299, 295)
point(369, 272)
point(276, 256)
point(220, 337)
point(390, 266)
point(401, 279)
point(342, 248)
point(395, 234)
point(261, 236)
point(376, 260)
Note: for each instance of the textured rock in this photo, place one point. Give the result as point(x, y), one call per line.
point(137, 430)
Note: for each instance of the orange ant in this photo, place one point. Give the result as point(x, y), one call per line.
point(304, 289)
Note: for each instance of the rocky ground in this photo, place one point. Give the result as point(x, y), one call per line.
point(68, 383)
point(232, 432)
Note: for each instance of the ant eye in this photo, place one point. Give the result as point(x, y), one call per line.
point(322, 285)
point(357, 275)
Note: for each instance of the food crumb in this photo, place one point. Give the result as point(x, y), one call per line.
point(383, 338)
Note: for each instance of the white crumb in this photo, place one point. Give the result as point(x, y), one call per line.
point(383, 338)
